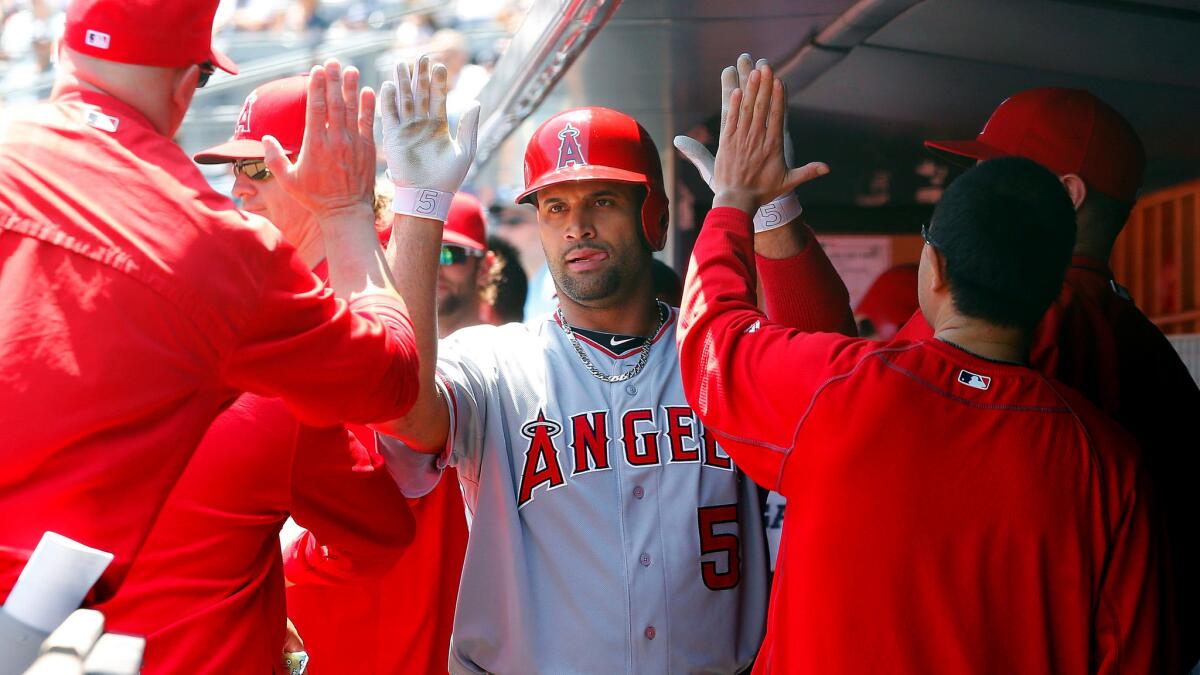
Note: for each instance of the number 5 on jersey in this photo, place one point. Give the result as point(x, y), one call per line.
point(712, 541)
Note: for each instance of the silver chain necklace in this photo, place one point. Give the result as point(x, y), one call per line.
point(663, 313)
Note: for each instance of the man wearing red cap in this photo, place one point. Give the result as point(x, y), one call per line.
point(224, 611)
point(950, 510)
point(1093, 338)
point(136, 303)
point(465, 270)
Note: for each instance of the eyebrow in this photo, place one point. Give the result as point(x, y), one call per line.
point(590, 195)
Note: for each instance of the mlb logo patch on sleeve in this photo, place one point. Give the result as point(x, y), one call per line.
point(974, 380)
point(94, 38)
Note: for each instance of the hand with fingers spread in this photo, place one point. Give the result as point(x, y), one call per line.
point(425, 163)
point(335, 170)
point(750, 169)
point(786, 207)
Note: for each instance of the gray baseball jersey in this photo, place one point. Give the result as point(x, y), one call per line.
point(609, 534)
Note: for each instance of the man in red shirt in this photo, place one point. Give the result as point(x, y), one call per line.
point(1094, 338)
point(950, 509)
point(350, 625)
point(136, 303)
point(207, 588)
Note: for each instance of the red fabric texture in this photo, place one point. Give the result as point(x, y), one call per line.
point(937, 522)
point(1095, 340)
point(207, 587)
point(174, 34)
point(135, 304)
point(399, 621)
point(805, 290)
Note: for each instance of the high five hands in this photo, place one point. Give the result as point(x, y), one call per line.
point(753, 163)
point(425, 163)
point(335, 170)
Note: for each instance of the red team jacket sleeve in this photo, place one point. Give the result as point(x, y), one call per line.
point(328, 360)
point(788, 297)
point(357, 521)
point(749, 379)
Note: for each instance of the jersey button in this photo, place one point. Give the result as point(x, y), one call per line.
point(650, 632)
point(644, 559)
point(630, 389)
point(638, 492)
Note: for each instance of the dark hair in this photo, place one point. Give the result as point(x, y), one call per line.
point(1006, 229)
point(667, 285)
point(510, 282)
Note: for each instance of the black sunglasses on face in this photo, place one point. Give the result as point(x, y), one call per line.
point(206, 70)
point(456, 255)
point(254, 169)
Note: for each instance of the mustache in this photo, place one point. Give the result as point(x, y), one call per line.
point(595, 246)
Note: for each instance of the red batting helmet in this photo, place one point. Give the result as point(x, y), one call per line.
point(598, 144)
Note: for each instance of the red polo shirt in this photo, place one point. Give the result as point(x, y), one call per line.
point(1095, 340)
point(135, 304)
point(396, 622)
point(207, 587)
point(945, 513)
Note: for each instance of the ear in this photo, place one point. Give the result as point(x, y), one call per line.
point(936, 264)
point(183, 89)
point(1076, 188)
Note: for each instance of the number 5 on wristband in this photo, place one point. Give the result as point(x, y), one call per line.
point(422, 202)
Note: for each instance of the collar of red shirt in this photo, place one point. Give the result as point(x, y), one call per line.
point(106, 103)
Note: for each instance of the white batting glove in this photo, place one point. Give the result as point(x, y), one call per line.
point(784, 208)
point(425, 164)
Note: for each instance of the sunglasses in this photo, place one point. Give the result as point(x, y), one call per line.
point(254, 169)
point(206, 71)
point(457, 255)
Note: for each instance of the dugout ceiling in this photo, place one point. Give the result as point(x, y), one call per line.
point(869, 80)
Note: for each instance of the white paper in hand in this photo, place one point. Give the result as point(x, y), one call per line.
point(54, 582)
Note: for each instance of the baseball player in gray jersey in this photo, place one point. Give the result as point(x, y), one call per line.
point(609, 533)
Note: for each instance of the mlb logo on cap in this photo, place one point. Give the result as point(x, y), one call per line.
point(95, 38)
point(974, 380)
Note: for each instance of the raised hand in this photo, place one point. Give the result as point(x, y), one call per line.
point(425, 163)
point(776, 213)
point(335, 170)
point(750, 168)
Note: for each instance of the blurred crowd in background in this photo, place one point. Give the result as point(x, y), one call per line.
point(28, 29)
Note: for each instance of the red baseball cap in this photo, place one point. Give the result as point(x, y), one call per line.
point(465, 223)
point(274, 109)
point(891, 300)
point(1066, 131)
point(163, 33)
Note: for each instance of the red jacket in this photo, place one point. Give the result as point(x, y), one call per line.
point(135, 304)
point(207, 588)
point(945, 513)
point(398, 621)
point(1095, 340)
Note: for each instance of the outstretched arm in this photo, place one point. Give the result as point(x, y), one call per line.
point(801, 289)
point(427, 166)
point(749, 379)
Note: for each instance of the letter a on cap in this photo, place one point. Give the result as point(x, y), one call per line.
point(569, 152)
point(243, 123)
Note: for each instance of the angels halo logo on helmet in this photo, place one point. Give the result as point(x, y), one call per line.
point(596, 143)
